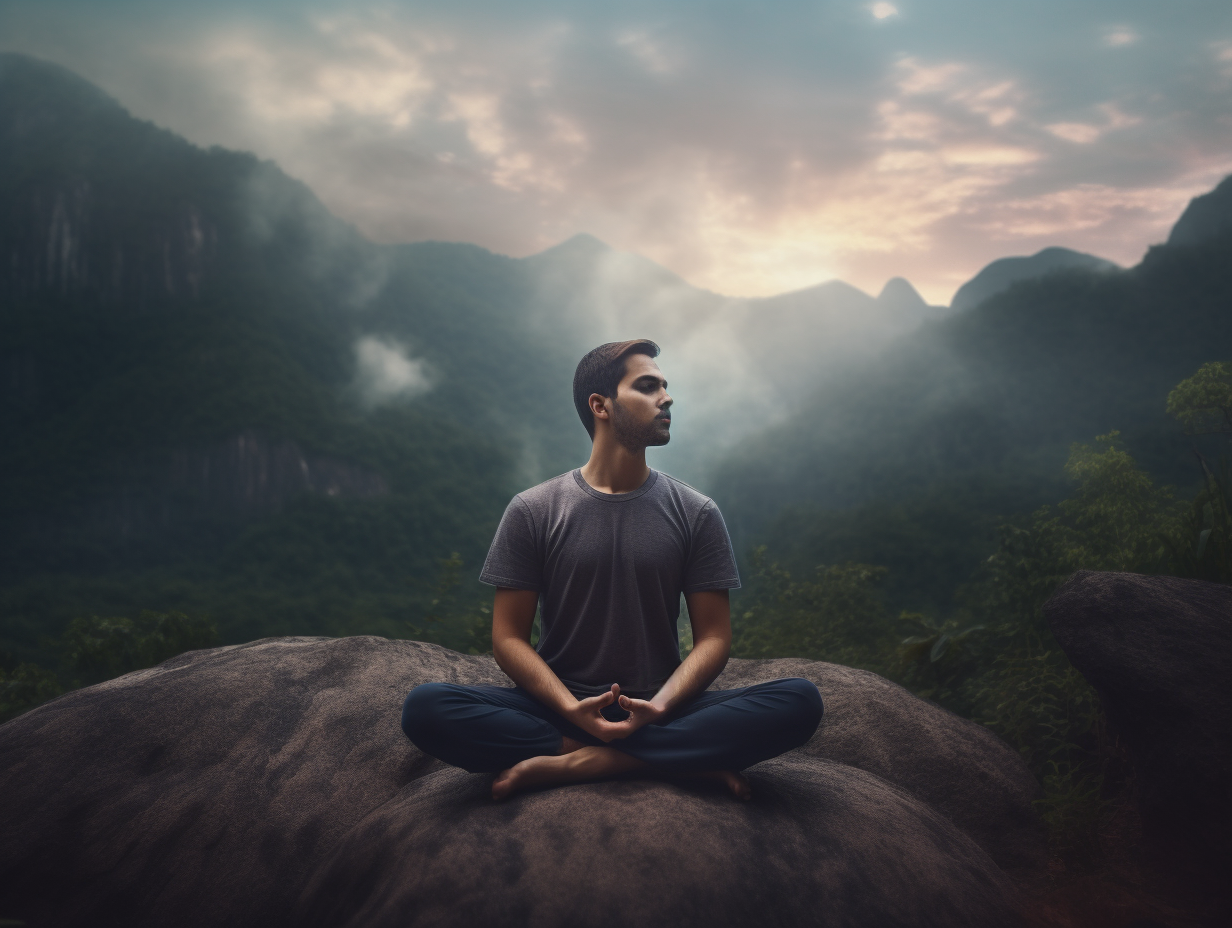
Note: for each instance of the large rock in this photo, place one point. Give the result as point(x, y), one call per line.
point(953, 765)
point(1158, 650)
point(269, 784)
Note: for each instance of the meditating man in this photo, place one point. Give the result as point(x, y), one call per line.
point(604, 553)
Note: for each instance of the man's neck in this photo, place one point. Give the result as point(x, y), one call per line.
point(613, 468)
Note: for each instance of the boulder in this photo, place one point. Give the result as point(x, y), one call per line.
point(269, 784)
point(823, 844)
point(949, 763)
point(1158, 651)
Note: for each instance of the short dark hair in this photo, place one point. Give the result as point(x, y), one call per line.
point(601, 371)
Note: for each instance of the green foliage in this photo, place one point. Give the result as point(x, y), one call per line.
point(1203, 403)
point(98, 649)
point(836, 615)
point(24, 687)
point(935, 660)
point(1204, 550)
point(1118, 519)
point(463, 623)
point(94, 649)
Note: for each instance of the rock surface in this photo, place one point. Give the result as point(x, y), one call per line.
point(1158, 650)
point(269, 784)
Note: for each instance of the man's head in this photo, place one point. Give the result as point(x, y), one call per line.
point(620, 383)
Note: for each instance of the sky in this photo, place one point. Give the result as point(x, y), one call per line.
point(752, 148)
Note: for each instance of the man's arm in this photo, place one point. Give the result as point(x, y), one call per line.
point(513, 616)
point(710, 617)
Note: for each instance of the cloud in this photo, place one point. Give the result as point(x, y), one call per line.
point(385, 373)
point(1120, 36)
point(751, 148)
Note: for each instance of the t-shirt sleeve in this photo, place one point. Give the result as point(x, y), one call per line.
point(514, 560)
point(711, 564)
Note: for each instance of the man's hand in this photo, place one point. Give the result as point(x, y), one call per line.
point(641, 712)
point(587, 716)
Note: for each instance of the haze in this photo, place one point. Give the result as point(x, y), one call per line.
point(752, 149)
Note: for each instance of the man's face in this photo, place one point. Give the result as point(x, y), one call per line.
point(641, 410)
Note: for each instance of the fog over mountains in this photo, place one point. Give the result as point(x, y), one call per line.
point(202, 366)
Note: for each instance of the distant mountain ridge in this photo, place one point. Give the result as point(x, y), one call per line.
point(969, 421)
point(1207, 217)
point(1003, 273)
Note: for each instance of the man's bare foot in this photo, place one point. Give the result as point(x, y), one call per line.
point(586, 763)
point(737, 784)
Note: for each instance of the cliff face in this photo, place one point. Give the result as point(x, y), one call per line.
point(62, 244)
point(221, 486)
point(87, 218)
point(174, 329)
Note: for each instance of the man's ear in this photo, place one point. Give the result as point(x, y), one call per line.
point(598, 406)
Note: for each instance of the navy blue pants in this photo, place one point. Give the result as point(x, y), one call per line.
point(484, 729)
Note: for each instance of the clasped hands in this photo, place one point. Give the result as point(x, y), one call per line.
point(587, 714)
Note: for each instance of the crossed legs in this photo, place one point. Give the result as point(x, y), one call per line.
point(506, 731)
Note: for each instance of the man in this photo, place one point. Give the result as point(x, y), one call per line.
point(604, 553)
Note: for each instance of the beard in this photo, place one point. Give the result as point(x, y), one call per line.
point(636, 435)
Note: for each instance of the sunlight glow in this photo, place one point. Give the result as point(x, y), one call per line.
point(1120, 36)
point(515, 133)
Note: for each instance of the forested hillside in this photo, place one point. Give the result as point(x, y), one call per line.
point(914, 460)
point(220, 399)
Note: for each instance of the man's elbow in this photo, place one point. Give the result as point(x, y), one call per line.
point(717, 647)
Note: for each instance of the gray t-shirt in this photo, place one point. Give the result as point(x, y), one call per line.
point(609, 569)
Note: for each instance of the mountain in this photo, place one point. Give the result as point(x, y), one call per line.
point(898, 296)
point(913, 460)
point(219, 397)
point(732, 364)
point(1005, 272)
point(1207, 217)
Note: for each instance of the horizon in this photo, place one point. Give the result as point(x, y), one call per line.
point(750, 154)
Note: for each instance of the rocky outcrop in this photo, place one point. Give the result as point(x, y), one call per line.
point(952, 765)
point(171, 496)
point(269, 784)
point(1158, 651)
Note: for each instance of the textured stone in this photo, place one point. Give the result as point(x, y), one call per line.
point(269, 784)
point(1158, 651)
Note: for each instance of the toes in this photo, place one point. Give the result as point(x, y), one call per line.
point(502, 786)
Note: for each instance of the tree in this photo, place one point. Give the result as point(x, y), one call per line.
point(836, 615)
point(1203, 403)
point(101, 648)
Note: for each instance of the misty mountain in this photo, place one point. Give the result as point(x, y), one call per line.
point(1005, 272)
point(913, 460)
point(732, 364)
point(219, 397)
point(1207, 217)
point(203, 367)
